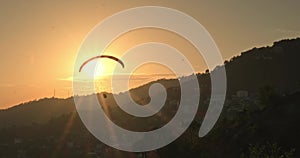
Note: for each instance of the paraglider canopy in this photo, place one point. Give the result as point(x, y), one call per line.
point(101, 56)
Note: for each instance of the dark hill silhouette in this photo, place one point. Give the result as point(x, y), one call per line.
point(269, 114)
point(275, 66)
point(66, 136)
point(39, 111)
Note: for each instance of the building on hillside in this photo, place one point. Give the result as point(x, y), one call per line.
point(242, 94)
point(18, 140)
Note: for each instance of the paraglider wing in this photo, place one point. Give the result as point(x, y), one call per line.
point(101, 56)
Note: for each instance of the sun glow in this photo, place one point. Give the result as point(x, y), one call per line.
point(95, 68)
point(100, 70)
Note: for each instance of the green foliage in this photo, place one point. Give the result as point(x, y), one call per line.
point(268, 150)
point(267, 96)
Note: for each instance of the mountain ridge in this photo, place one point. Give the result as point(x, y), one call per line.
point(248, 71)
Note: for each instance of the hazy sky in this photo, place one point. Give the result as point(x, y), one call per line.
point(39, 39)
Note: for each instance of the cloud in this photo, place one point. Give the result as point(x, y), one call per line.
point(123, 76)
point(9, 85)
point(6, 85)
point(78, 79)
point(287, 31)
point(70, 78)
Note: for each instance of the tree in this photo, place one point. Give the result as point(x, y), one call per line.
point(268, 150)
point(267, 97)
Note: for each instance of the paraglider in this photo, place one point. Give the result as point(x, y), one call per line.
point(104, 95)
point(101, 56)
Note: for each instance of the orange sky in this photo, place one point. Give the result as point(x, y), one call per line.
point(39, 39)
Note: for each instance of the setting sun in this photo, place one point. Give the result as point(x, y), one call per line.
point(149, 79)
point(94, 68)
point(98, 68)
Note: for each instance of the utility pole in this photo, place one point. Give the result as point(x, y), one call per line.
point(54, 93)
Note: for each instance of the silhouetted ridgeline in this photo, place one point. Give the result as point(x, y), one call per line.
point(39, 111)
point(276, 66)
point(260, 115)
